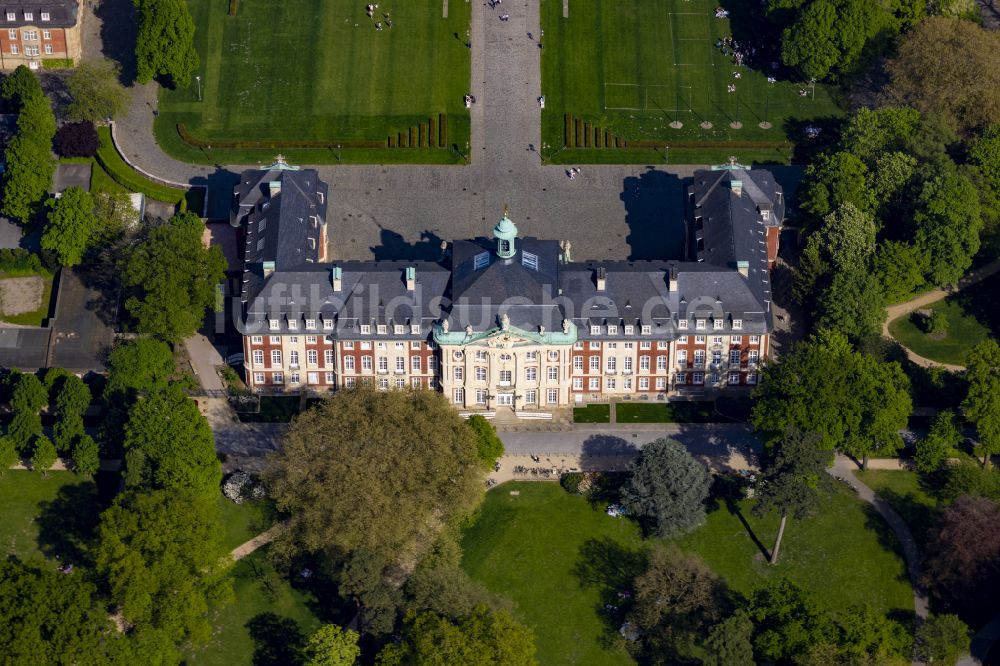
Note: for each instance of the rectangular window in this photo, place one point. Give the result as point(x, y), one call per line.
point(328, 325)
point(683, 340)
point(45, 17)
point(699, 324)
point(258, 378)
point(627, 383)
point(699, 339)
point(311, 357)
point(381, 329)
point(277, 378)
point(578, 383)
point(699, 357)
point(415, 363)
point(366, 363)
point(611, 383)
point(612, 330)
point(753, 356)
point(459, 396)
point(414, 344)
point(612, 345)
point(578, 363)
point(577, 345)
point(595, 330)
point(698, 377)
point(415, 382)
point(293, 358)
point(646, 329)
point(661, 383)
point(11, 16)
point(258, 357)
point(365, 344)
point(755, 339)
point(275, 357)
point(628, 364)
point(595, 384)
point(595, 345)
point(682, 324)
point(47, 34)
point(595, 363)
point(310, 339)
point(400, 364)
point(661, 344)
point(312, 378)
point(294, 339)
point(383, 364)
point(612, 364)
point(432, 364)
point(349, 363)
point(644, 363)
point(643, 383)
point(328, 357)
point(273, 324)
point(717, 324)
point(459, 373)
point(505, 377)
point(257, 339)
point(530, 397)
point(629, 330)
point(734, 355)
point(12, 33)
point(717, 340)
point(480, 373)
point(661, 363)
point(682, 357)
point(349, 382)
point(531, 356)
point(531, 374)
point(629, 345)
point(29, 16)
point(398, 329)
point(645, 344)
point(480, 397)
point(680, 378)
point(734, 378)
point(553, 374)
point(414, 329)
point(752, 378)
point(736, 339)
point(737, 324)
point(552, 396)
point(293, 324)
point(383, 384)
point(480, 355)
point(310, 323)
point(716, 357)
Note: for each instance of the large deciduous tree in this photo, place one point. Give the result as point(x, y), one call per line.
point(169, 444)
point(934, 449)
point(788, 620)
point(856, 404)
point(666, 488)
point(963, 556)
point(730, 642)
point(371, 469)
point(165, 43)
point(483, 639)
point(70, 229)
point(162, 557)
point(173, 278)
point(489, 448)
point(948, 221)
point(942, 639)
point(951, 66)
point(96, 91)
point(793, 480)
point(835, 180)
point(331, 645)
point(136, 366)
point(28, 161)
point(982, 403)
point(828, 36)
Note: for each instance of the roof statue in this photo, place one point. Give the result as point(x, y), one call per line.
point(280, 164)
point(444, 325)
point(504, 321)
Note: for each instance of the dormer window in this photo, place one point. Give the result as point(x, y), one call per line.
point(612, 330)
point(11, 16)
point(273, 324)
point(646, 329)
point(717, 324)
point(45, 16)
point(293, 324)
point(399, 329)
point(29, 16)
point(414, 329)
point(529, 260)
point(381, 329)
point(682, 323)
point(595, 330)
point(310, 323)
point(629, 330)
point(328, 324)
point(481, 261)
point(765, 214)
point(366, 329)
point(737, 324)
point(699, 324)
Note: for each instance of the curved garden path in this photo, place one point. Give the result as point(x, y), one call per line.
point(262, 539)
point(906, 307)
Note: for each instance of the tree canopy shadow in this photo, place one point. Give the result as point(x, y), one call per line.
point(887, 538)
point(67, 524)
point(728, 490)
point(597, 449)
point(611, 567)
point(277, 640)
point(119, 26)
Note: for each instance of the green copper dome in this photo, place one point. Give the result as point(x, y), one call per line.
point(505, 232)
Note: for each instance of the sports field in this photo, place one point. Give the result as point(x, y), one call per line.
point(319, 70)
point(654, 71)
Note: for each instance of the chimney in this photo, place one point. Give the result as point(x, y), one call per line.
point(411, 278)
point(737, 187)
point(672, 279)
point(336, 275)
point(743, 267)
point(274, 188)
point(602, 279)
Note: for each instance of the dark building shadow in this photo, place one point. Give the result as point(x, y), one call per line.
point(277, 640)
point(655, 215)
point(394, 247)
point(598, 448)
point(101, 279)
point(219, 192)
point(119, 26)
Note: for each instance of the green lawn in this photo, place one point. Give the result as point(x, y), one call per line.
point(48, 515)
point(666, 412)
point(846, 554)
point(318, 71)
point(596, 413)
point(964, 332)
point(903, 491)
point(273, 409)
point(633, 67)
point(244, 521)
point(560, 560)
point(267, 616)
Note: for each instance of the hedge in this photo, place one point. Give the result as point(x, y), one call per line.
point(123, 174)
point(328, 144)
point(233, 5)
point(443, 131)
point(432, 135)
point(18, 261)
point(57, 63)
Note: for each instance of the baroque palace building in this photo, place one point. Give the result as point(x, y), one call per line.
point(508, 322)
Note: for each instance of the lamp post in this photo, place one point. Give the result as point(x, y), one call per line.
point(666, 154)
point(338, 152)
point(198, 79)
point(812, 82)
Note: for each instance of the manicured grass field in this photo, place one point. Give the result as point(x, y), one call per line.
point(903, 492)
point(666, 412)
point(266, 619)
point(596, 413)
point(244, 521)
point(973, 315)
point(633, 67)
point(317, 70)
point(560, 559)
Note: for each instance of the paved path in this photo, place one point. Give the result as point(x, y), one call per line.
point(901, 309)
point(253, 544)
point(843, 467)
point(205, 358)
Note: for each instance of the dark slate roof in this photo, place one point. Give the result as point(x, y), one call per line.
point(282, 212)
point(62, 13)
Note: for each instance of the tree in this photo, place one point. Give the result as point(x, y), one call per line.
point(372, 469)
point(23, 429)
point(77, 140)
point(869, 634)
point(828, 36)
point(872, 133)
point(364, 581)
point(44, 455)
point(963, 556)
point(667, 488)
point(47, 617)
point(73, 396)
point(853, 304)
point(96, 91)
point(86, 458)
point(71, 226)
point(29, 394)
point(948, 222)
point(163, 560)
point(833, 181)
point(788, 620)
point(27, 177)
point(331, 645)
point(115, 216)
point(8, 454)
point(982, 403)
point(483, 639)
point(942, 639)
point(847, 235)
point(900, 270)
point(165, 42)
point(173, 278)
point(729, 642)
point(440, 585)
point(853, 402)
point(36, 120)
point(794, 480)
point(934, 449)
point(176, 441)
point(889, 178)
point(66, 431)
point(950, 66)
point(20, 84)
point(136, 366)
point(677, 598)
point(489, 448)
